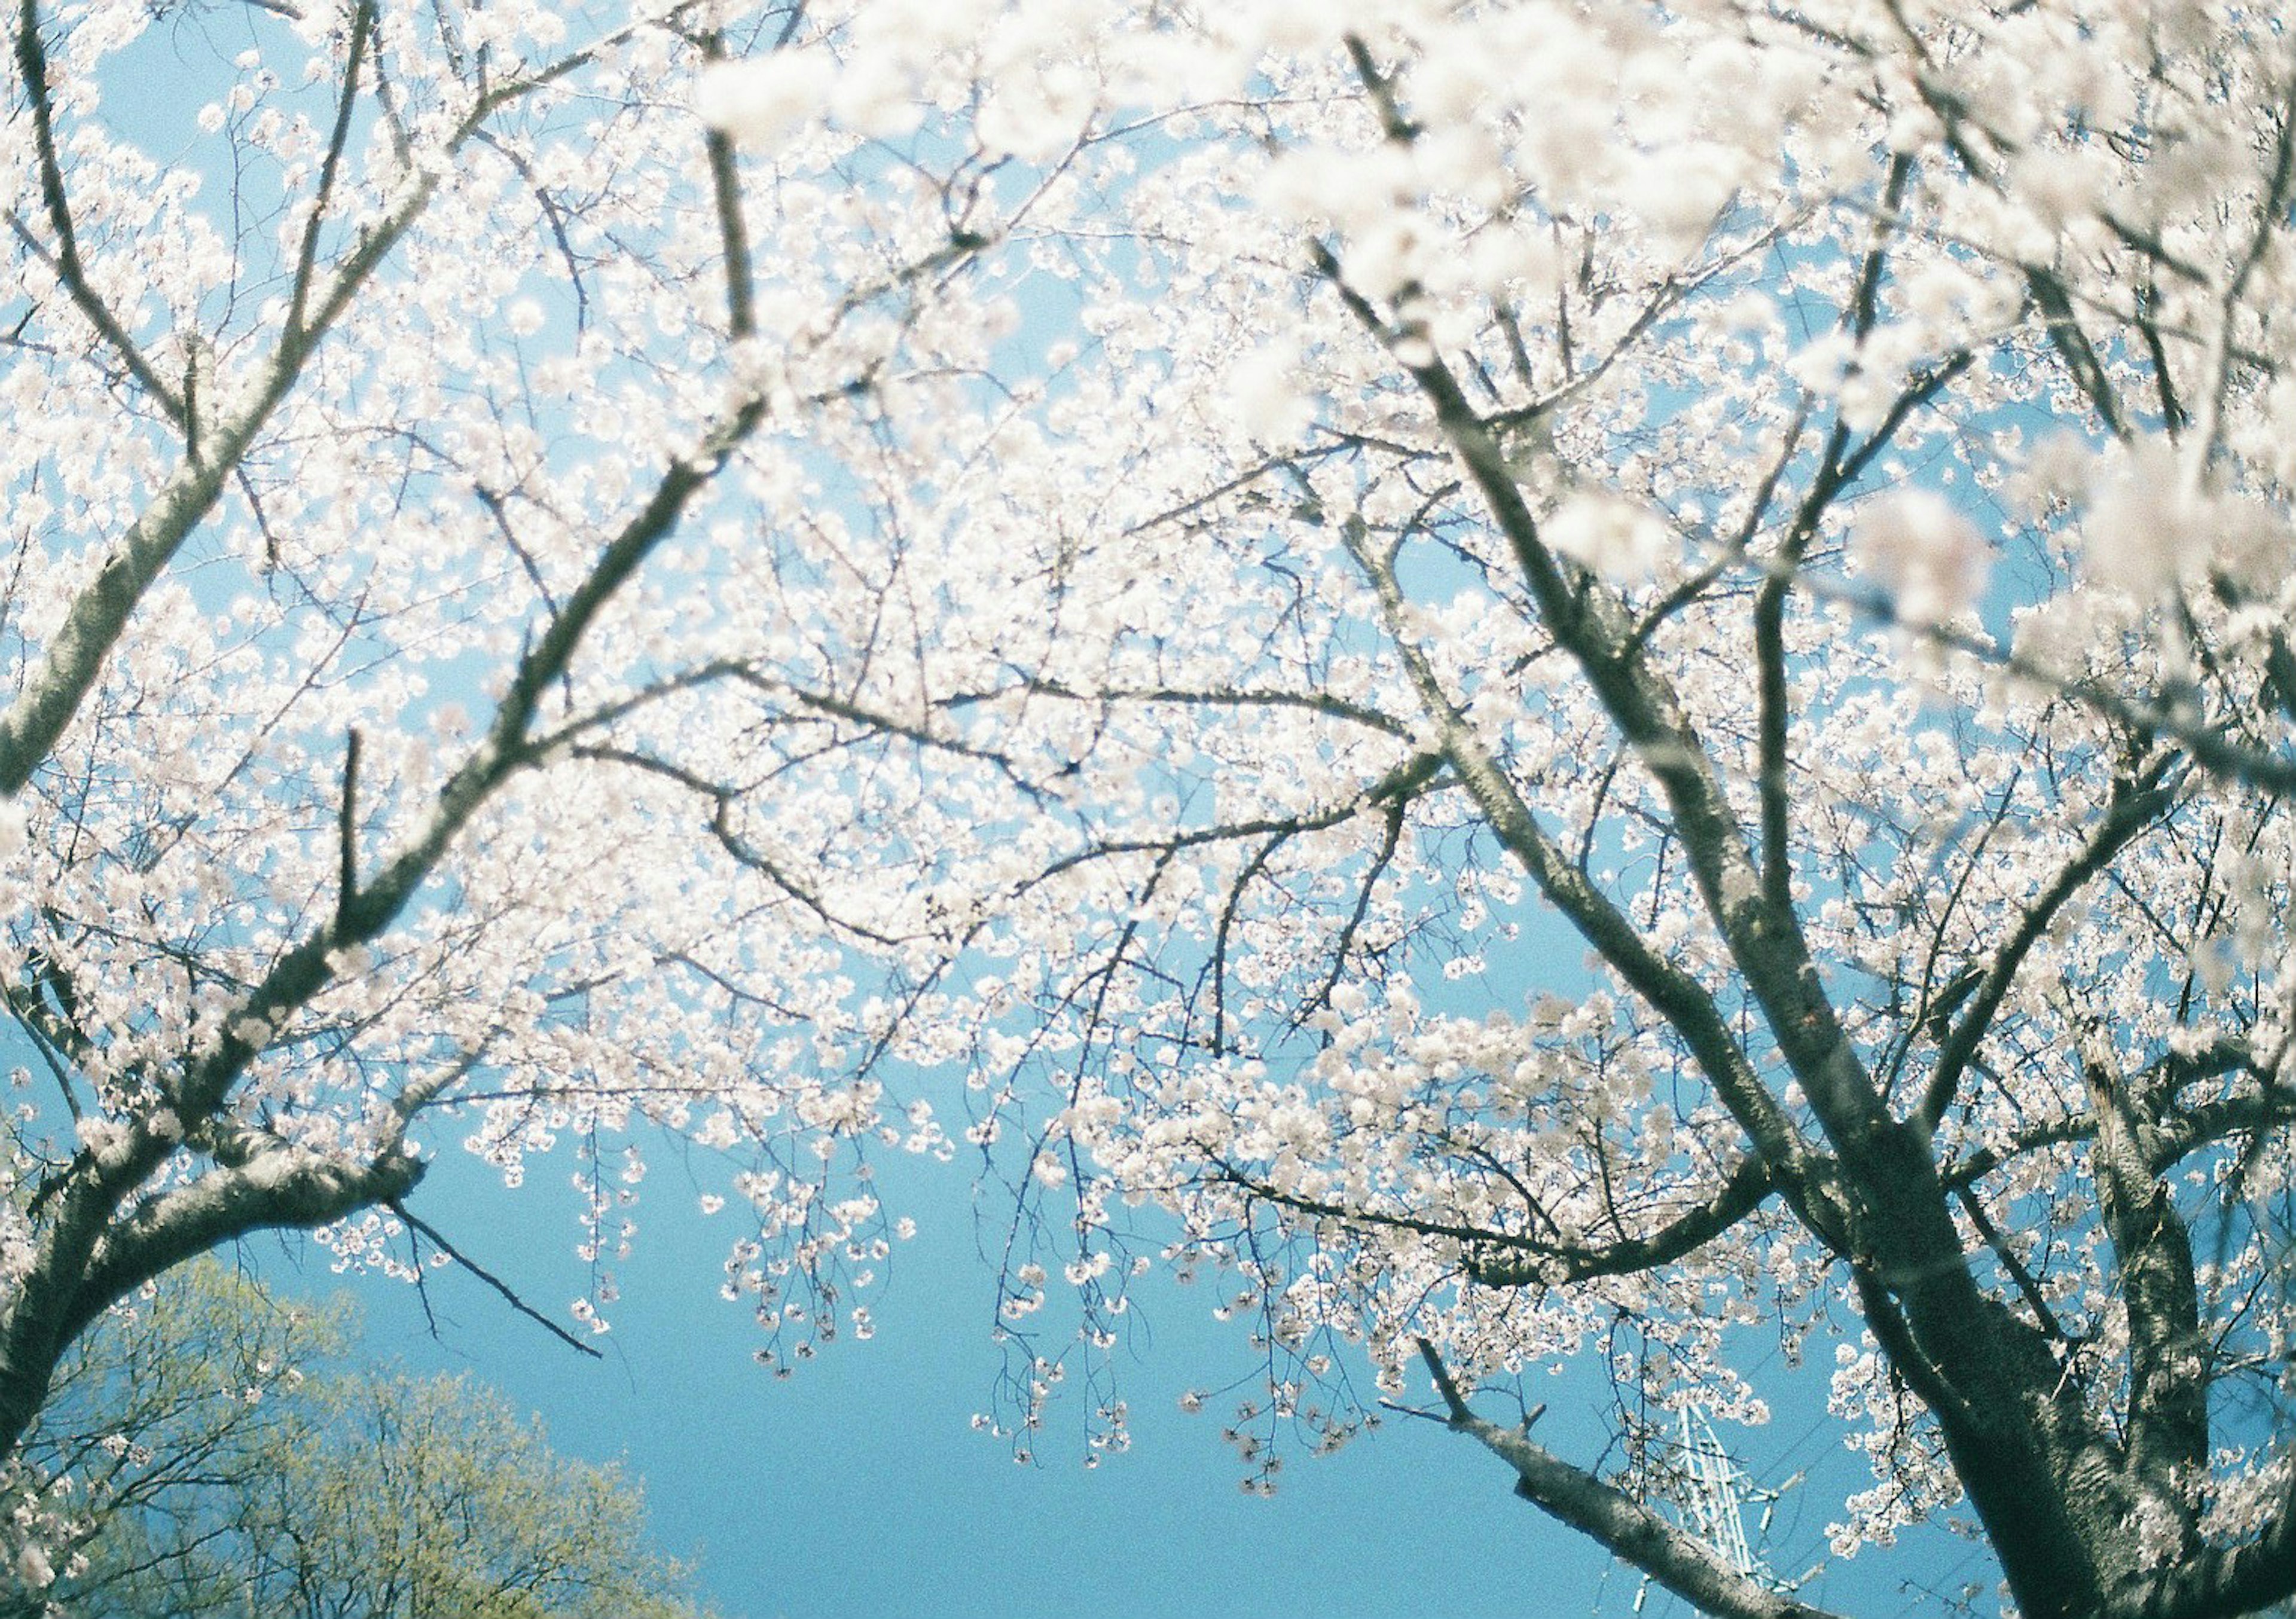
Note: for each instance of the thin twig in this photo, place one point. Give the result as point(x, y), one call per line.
point(424, 1228)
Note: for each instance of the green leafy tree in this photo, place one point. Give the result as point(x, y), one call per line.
point(217, 1451)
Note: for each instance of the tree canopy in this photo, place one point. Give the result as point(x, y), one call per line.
point(217, 1448)
point(1552, 681)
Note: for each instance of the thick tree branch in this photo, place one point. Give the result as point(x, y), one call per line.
point(1628, 1528)
point(2168, 1424)
point(2218, 1582)
point(2172, 1138)
point(1514, 1259)
point(1767, 946)
point(81, 1252)
point(86, 1263)
point(32, 66)
point(347, 832)
point(733, 227)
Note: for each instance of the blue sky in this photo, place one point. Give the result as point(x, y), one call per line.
point(859, 1487)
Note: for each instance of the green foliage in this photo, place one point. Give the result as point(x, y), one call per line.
point(217, 1452)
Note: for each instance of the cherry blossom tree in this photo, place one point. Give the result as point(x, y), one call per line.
point(1629, 698)
point(1546, 681)
point(404, 414)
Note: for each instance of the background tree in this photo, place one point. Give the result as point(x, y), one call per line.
point(217, 1450)
point(166, 1399)
point(1155, 559)
point(1792, 500)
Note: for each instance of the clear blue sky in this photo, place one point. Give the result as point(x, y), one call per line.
point(858, 1488)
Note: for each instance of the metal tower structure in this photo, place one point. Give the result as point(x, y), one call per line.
point(1708, 1489)
point(1713, 1486)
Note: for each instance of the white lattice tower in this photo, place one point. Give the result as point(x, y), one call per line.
point(1713, 1486)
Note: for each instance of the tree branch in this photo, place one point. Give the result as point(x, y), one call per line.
point(1631, 1530)
point(2218, 1582)
point(1677, 996)
point(347, 833)
point(509, 1295)
point(1531, 1261)
point(2135, 805)
point(32, 66)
